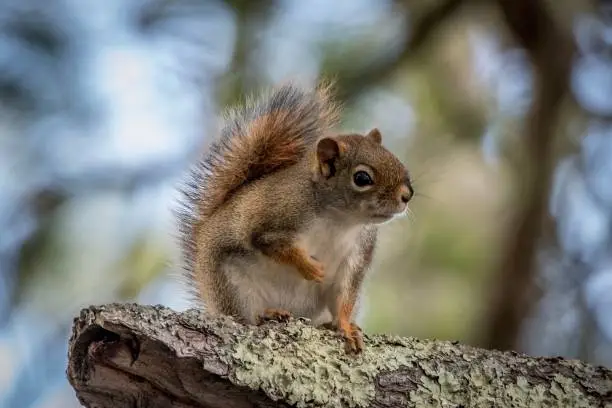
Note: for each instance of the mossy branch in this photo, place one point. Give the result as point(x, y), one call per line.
point(127, 355)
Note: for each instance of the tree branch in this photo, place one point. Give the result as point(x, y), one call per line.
point(144, 356)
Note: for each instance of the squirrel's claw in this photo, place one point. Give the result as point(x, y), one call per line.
point(351, 334)
point(274, 315)
point(353, 340)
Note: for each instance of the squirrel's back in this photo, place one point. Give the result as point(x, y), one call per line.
point(264, 135)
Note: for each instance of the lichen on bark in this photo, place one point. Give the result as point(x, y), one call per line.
point(151, 354)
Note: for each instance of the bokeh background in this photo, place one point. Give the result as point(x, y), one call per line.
point(501, 110)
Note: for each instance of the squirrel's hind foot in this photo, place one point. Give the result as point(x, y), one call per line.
point(274, 315)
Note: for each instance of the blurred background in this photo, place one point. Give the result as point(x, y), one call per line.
point(501, 110)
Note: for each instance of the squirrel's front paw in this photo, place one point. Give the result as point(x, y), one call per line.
point(353, 339)
point(312, 270)
point(351, 334)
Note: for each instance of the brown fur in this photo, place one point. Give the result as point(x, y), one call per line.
point(274, 220)
point(278, 138)
point(295, 256)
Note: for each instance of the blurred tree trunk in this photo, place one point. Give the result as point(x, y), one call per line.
point(143, 356)
point(550, 50)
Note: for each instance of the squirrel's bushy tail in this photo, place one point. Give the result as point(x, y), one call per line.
point(262, 136)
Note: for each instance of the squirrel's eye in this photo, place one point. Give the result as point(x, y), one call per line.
point(362, 179)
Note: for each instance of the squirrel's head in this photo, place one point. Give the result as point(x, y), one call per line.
point(361, 179)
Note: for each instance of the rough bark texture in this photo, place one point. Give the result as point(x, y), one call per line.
point(126, 355)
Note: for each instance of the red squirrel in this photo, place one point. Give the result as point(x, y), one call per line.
point(281, 213)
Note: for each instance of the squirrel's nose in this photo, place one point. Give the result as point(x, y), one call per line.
point(406, 193)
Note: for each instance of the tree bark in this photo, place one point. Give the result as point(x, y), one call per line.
point(126, 355)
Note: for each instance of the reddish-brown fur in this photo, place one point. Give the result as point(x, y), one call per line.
point(267, 144)
point(296, 256)
point(273, 221)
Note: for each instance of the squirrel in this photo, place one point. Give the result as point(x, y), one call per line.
point(279, 217)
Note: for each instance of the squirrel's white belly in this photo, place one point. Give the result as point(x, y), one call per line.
point(268, 284)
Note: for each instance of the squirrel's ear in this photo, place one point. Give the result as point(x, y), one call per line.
point(375, 136)
point(328, 150)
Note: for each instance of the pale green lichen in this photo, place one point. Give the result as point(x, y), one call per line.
point(310, 367)
point(303, 366)
point(307, 367)
point(568, 392)
point(449, 383)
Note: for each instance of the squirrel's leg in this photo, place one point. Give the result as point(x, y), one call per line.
point(213, 288)
point(281, 247)
point(342, 298)
point(343, 322)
